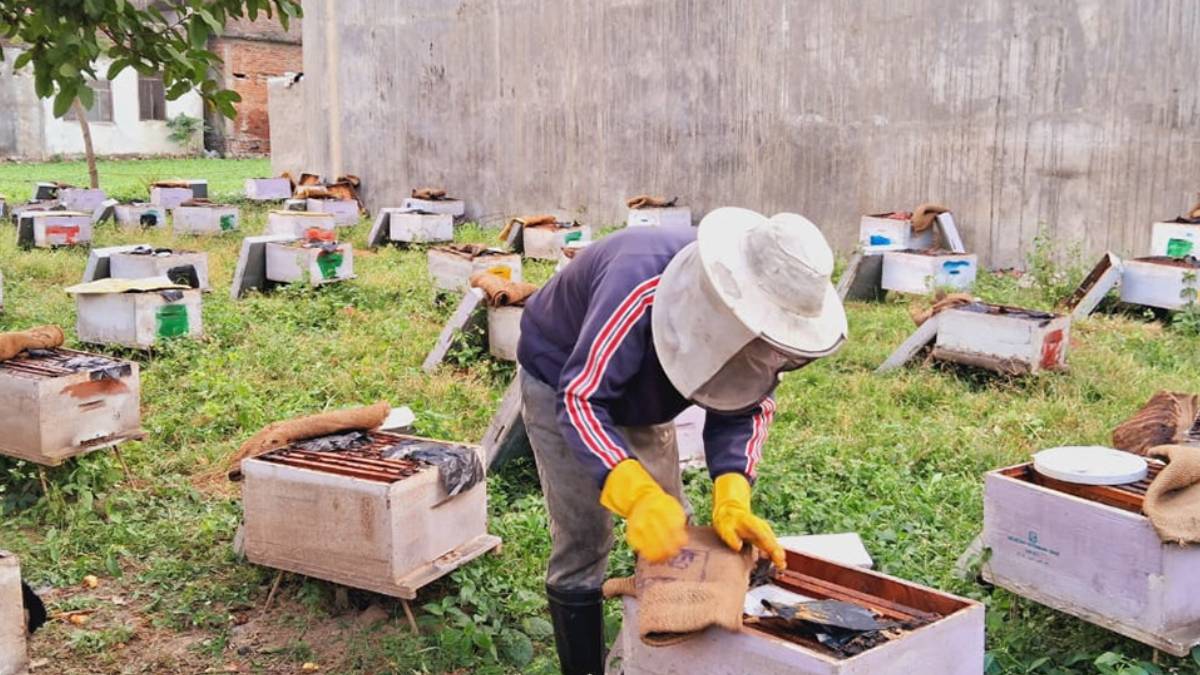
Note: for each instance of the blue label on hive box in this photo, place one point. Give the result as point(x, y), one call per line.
point(880, 240)
point(955, 266)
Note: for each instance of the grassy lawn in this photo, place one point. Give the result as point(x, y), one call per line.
point(898, 459)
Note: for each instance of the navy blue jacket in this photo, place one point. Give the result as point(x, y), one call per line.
point(587, 334)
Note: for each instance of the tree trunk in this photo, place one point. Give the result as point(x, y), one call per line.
point(81, 115)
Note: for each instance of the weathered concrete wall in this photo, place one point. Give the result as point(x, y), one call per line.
point(285, 106)
point(1081, 115)
point(20, 111)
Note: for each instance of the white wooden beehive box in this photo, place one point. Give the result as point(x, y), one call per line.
point(451, 268)
point(155, 263)
point(59, 403)
point(141, 215)
point(1159, 282)
point(455, 208)
point(415, 227)
point(205, 219)
point(294, 261)
point(878, 233)
point(567, 253)
point(545, 242)
point(1088, 551)
point(504, 331)
point(1175, 240)
point(52, 229)
point(296, 223)
point(950, 643)
point(659, 216)
point(138, 320)
point(924, 272)
point(80, 199)
point(14, 658)
point(1008, 340)
point(345, 211)
point(170, 197)
point(268, 189)
point(351, 518)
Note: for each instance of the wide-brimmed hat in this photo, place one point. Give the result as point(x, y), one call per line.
point(747, 276)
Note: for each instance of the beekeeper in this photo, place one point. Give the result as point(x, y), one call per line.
point(639, 326)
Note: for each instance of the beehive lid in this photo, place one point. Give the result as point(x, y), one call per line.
point(57, 362)
point(363, 460)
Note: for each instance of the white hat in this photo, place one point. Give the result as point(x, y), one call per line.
point(746, 277)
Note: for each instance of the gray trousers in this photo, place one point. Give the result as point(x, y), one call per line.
point(580, 528)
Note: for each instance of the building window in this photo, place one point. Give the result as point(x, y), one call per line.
point(102, 107)
point(152, 100)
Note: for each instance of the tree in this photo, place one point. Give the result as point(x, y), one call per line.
point(65, 39)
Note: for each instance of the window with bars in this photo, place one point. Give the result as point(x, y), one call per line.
point(102, 106)
point(152, 100)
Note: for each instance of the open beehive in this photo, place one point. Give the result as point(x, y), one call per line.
point(881, 232)
point(1090, 552)
point(455, 208)
point(452, 266)
point(355, 518)
point(1160, 281)
point(1008, 340)
point(268, 189)
point(14, 660)
point(53, 229)
point(59, 403)
point(925, 271)
point(144, 262)
point(140, 214)
point(659, 216)
point(138, 319)
point(417, 226)
point(310, 262)
point(80, 199)
point(344, 211)
point(205, 218)
point(1175, 239)
point(297, 223)
point(947, 637)
point(545, 242)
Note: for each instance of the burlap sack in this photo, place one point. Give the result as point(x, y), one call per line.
point(527, 221)
point(309, 179)
point(705, 585)
point(41, 337)
point(649, 201)
point(278, 434)
point(942, 302)
point(313, 192)
point(1173, 500)
point(1166, 418)
point(428, 193)
point(1194, 212)
point(923, 215)
point(501, 292)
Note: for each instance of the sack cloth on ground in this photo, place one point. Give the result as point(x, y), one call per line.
point(923, 215)
point(41, 337)
point(1166, 418)
point(459, 467)
point(705, 585)
point(1173, 500)
point(942, 302)
point(527, 221)
point(429, 194)
point(279, 434)
point(650, 201)
point(501, 292)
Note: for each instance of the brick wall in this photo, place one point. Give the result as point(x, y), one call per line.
point(248, 64)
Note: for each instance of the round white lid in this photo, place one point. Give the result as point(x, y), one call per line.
point(1090, 465)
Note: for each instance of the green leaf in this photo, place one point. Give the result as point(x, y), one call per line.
point(22, 59)
point(1106, 659)
point(63, 101)
point(1038, 663)
point(537, 627)
point(517, 647)
point(1196, 654)
point(116, 67)
point(86, 96)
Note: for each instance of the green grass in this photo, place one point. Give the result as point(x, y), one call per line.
point(898, 459)
point(130, 180)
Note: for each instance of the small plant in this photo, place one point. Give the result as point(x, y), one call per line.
point(1052, 281)
point(184, 129)
point(1187, 319)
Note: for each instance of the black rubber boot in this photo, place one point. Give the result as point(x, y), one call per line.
point(35, 611)
point(578, 618)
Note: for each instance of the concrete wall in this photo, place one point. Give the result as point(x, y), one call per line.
point(20, 111)
point(1081, 115)
point(286, 110)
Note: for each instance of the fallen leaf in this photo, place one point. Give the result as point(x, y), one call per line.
point(78, 619)
point(310, 667)
point(91, 581)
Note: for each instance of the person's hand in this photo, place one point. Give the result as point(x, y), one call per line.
point(734, 522)
point(656, 526)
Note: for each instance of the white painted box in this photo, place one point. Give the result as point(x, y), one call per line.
point(170, 197)
point(878, 233)
point(1175, 240)
point(567, 253)
point(1088, 551)
point(659, 216)
point(451, 267)
point(268, 189)
point(52, 229)
point(923, 272)
point(951, 643)
point(1009, 340)
point(296, 223)
point(137, 320)
point(14, 658)
point(504, 331)
point(356, 521)
point(345, 211)
point(413, 227)
point(141, 214)
point(455, 208)
point(59, 403)
point(297, 261)
point(143, 264)
point(205, 219)
point(1161, 282)
point(80, 199)
point(545, 242)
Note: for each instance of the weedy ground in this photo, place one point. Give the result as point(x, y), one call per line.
point(898, 459)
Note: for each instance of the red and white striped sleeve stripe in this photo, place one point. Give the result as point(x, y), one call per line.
point(754, 447)
point(579, 389)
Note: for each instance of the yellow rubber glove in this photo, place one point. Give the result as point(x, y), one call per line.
point(656, 526)
point(734, 522)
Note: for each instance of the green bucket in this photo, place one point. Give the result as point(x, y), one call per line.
point(172, 321)
point(1179, 248)
point(329, 262)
